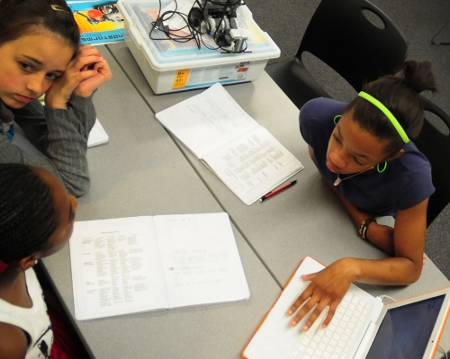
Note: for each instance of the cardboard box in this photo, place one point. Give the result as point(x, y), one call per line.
point(171, 66)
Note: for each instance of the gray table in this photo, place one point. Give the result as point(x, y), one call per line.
point(142, 172)
point(305, 220)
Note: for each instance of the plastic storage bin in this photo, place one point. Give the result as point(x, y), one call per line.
point(170, 66)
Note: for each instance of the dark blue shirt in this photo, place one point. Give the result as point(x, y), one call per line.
point(405, 183)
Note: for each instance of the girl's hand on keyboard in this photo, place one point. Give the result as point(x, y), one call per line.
point(327, 288)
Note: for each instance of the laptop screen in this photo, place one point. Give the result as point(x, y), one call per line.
point(406, 330)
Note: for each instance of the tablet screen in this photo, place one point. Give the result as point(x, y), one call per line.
point(405, 331)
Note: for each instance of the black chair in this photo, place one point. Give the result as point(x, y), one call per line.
point(435, 144)
point(340, 35)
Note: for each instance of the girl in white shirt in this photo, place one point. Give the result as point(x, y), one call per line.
point(36, 220)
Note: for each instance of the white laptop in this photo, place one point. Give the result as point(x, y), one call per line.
point(362, 326)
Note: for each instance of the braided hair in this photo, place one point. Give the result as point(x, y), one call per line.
point(27, 213)
point(400, 94)
point(20, 17)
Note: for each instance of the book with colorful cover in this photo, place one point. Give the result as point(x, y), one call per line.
point(99, 21)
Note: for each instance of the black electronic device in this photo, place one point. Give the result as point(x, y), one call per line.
point(218, 19)
point(207, 19)
point(195, 17)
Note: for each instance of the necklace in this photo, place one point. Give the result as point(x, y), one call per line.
point(339, 180)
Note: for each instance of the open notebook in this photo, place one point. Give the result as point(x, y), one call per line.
point(244, 155)
point(362, 326)
point(136, 264)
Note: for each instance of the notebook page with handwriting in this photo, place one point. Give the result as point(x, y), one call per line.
point(243, 154)
point(207, 121)
point(200, 259)
point(263, 163)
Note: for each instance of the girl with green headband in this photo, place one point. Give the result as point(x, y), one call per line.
point(365, 152)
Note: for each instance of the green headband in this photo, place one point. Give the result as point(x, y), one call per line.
point(387, 113)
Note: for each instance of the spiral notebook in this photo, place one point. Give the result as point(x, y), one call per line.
point(406, 329)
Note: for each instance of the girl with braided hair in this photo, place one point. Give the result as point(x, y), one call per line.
point(40, 54)
point(36, 220)
point(364, 152)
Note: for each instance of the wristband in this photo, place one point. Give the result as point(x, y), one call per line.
point(363, 228)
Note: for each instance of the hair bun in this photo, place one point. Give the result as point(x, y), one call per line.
point(417, 75)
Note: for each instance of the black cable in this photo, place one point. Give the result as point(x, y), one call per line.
point(170, 33)
point(193, 33)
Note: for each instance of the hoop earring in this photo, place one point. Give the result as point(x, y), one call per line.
point(336, 119)
point(383, 169)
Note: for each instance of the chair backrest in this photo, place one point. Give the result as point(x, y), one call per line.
point(435, 145)
point(341, 36)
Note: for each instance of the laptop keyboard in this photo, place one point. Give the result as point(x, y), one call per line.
point(335, 341)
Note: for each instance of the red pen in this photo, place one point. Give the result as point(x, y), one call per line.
point(278, 190)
